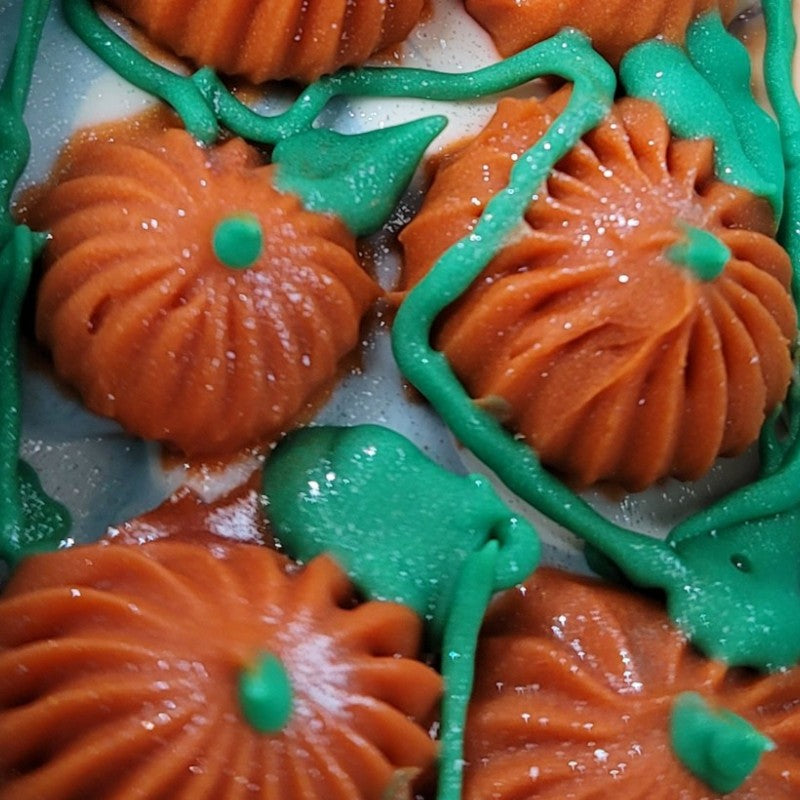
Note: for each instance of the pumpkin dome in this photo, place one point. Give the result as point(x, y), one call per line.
point(587, 332)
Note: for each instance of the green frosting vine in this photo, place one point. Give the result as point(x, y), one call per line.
point(29, 519)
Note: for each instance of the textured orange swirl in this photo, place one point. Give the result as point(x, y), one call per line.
point(154, 331)
point(119, 668)
point(574, 688)
point(265, 40)
point(614, 26)
point(614, 363)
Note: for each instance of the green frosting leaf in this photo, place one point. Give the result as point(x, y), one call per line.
point(400, 525)
point(359, 177)
point(719, 747)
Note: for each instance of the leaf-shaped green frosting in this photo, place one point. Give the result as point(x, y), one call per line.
point(358, 177)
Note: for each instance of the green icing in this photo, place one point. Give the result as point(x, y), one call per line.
point(701, 252)
point(725, 63)
point(719, 747)
point(703, 95)
point(407, 531)
point(346, 491)
point(238, 241)
point(265, 694)
point(361, 177)
point(29, 520)
point(780, 46)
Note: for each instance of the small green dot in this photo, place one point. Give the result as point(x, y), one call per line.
point(701, 252)
point(238, 241)
point(265, 694)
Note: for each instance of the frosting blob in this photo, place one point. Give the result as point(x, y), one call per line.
point(120, 669)
point(575, 688)
point(614, 26)
point(586, 334)
point(263, 40)
point(159, 333)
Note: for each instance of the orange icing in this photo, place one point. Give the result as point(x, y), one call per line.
point(154, 331)
point(119, 667)
point(614, 26)
point(575, 685)
point(614, 363)
point(264, 40)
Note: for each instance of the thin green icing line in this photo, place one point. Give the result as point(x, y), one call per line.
point(15, 142)
point(699, 566)
point(472, 595)
point(179, 92)
point(201, 99)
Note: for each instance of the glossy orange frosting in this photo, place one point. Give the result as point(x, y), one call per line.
point(613, 362)
point(154, 330)
point(119, 668)
point(265, 40)
point(614, 26)
point(575, 683)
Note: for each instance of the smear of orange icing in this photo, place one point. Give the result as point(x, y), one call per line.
point(119, 668)
point(574, 687)
point(264, 40)
point(614, 363)
point(157, 333)
point(614, 26)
